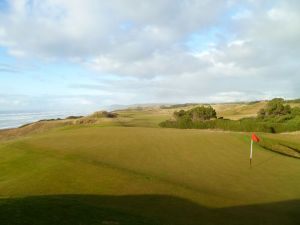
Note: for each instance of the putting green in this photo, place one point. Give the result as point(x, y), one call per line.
point(155, 175)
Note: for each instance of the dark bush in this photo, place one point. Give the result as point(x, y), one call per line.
point(196, 114)
point(73, 117)
point(103, 114)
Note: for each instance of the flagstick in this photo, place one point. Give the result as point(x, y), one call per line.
point(251, 151)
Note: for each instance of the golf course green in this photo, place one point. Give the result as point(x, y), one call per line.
point(96, 174)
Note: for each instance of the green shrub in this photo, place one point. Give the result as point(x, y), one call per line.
point(103, 114)
point(245, 125)
point(196, 114)
point(276, 118)
point(295, 111)
point(275, 107)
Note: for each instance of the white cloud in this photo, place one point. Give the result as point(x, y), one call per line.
point(255, 53)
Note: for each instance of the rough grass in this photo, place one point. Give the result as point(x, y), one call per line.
point(286, 147)
point(131, 175)
point(237, 111)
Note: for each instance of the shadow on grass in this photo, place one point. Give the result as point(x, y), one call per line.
point(138, 209)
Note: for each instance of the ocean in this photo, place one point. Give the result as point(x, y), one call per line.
point(16, 119)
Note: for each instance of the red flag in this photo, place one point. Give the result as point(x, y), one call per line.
point(255, 138)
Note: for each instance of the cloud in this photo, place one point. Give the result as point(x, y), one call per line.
point(248, 49)
point(6, 68)
point(14, 67)
point(66, 103)
point(62, 28)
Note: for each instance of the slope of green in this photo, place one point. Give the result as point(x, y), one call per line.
point(132, 175)
point(285, 146)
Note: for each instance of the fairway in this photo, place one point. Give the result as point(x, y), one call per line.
point(135, 175)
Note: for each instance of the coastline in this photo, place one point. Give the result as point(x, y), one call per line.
point(14, 120)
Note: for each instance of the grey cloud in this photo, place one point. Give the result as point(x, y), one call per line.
point(158, 64)
point(84, 28)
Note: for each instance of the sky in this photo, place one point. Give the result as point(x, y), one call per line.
point(62, 55)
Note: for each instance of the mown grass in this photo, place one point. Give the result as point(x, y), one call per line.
point(126, 170)
point(135, 175)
